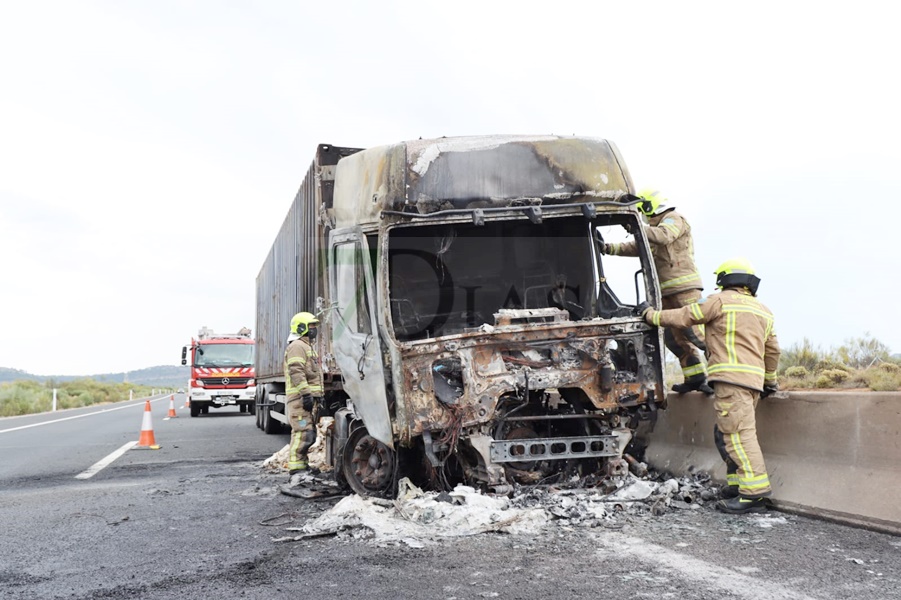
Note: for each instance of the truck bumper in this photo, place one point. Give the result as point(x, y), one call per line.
point(224, 397)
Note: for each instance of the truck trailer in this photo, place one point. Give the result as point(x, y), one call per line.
point(472, 332)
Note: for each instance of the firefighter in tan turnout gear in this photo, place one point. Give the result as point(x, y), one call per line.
point(303, 387)
point(742, 357)
point(680, 283)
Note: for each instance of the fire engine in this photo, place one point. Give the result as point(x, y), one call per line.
point(222, 370)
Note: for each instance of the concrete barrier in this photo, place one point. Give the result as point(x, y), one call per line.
point(835, 455)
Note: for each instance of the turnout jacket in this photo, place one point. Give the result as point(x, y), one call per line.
point(742, 348)
point(673, 250)
point(303, 375)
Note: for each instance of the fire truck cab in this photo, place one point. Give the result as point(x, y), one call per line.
point(222, 370)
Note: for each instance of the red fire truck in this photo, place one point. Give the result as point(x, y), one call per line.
point(222, 370)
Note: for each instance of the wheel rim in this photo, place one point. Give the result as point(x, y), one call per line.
point(369, 465)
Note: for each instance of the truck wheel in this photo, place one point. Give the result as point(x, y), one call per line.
point(195, 409)
point(259, 414)
point(369, 466)
point(270, 425)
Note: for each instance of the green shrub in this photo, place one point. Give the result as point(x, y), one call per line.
point(797, 372)
point(858, 380)
point(29, 397)
point(836, 376)
point(890, 368)
point(802, 355)
point(797, 383)
point(22, 398)
point(829, 364)
point(863, 352)
point(880, 380)
point(823, 382)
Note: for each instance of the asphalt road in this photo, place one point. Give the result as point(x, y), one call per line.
point(55, 444)
point(197, 519)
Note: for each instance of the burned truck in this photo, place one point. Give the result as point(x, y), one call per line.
point(474, 332)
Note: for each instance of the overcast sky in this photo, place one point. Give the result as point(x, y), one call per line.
point(149, 150)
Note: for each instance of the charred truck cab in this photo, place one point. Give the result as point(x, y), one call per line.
point(478, 334)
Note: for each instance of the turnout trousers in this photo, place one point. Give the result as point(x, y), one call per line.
point(302, 435)
point(685, 343)
point(735, 435)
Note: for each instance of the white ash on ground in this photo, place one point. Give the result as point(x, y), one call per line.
point(417, 518)
point(315, 455)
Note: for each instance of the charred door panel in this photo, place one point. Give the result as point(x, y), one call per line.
point(354, 331)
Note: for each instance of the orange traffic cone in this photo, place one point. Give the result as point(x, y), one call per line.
point(187, 401)
point(146, 440)
point(171, 407)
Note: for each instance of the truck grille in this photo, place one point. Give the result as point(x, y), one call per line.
point(222, 382)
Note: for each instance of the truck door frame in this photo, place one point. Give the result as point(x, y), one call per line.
point(355, 336)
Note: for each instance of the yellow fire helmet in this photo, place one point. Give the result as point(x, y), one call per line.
point(300, 323)
point(653, 201)
point(737, 272)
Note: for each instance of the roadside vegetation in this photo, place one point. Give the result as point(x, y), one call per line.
point(859, 363)
point(863, 362)
point(26, 397)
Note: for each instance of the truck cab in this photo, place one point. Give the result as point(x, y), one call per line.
point(480, 335)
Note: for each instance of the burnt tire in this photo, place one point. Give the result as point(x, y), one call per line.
point(368, 465)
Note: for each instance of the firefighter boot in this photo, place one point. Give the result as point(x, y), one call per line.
point(696, 382)
point(729, 491)
point(741, 505)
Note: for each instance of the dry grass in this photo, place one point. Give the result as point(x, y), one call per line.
point(826, 374)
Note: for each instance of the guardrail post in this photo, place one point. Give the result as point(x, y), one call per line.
point(54, 399)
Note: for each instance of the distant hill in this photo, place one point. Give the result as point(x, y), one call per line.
point(161, 376)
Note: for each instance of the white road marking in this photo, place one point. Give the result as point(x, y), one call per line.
point(75, 417)
point(684, 566)
point(105, 462)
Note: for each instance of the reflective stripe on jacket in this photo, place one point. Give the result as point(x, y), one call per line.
point(742, 348)
point(303, 375)
point(671, 244)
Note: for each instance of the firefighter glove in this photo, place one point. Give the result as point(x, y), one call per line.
point(605, 249)
point(769, 388)
point(307, 402)
point(642, 308)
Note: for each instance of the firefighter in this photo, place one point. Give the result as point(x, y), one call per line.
point(303, 387)
point(680, 283)
point(742, 356)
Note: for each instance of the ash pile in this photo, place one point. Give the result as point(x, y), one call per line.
point(417, 518)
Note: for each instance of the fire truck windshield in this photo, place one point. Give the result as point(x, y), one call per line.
point(224, 355)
